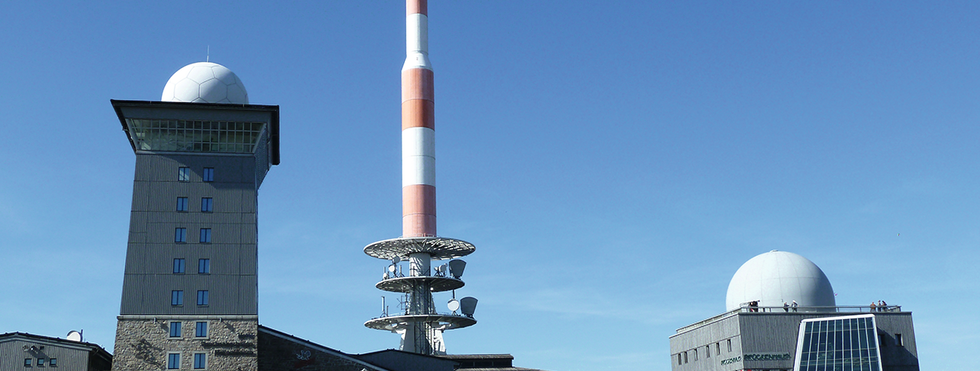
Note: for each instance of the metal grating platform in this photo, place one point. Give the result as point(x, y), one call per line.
point(438, 247)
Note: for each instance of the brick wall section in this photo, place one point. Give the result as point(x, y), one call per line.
point(144, 344)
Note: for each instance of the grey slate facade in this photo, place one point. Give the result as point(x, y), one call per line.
point(28, 352)
point(189, 296)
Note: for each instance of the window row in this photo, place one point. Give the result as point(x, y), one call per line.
point(200, 361)
point(196, 136)
point(200, 329)
point(40, 362)
point(180, 235)
point(184, 174)
point(207, 204)
point(682, 357)
point(177, 298)
point(203, 266)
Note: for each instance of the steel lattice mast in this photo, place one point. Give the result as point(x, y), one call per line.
point(419, 325)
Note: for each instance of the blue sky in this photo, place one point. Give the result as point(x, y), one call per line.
point(613, 162)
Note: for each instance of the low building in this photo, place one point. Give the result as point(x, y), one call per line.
point(762, 330)
point(28, 352)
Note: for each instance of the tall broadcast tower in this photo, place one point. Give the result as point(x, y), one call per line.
point(419, 325)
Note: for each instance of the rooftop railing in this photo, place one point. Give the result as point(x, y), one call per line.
point(746, 308)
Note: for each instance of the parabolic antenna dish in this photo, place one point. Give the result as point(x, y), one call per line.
point(74, 336)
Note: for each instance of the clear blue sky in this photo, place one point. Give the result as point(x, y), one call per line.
point(614, 162)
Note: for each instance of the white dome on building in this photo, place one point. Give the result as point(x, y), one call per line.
point(778, 277)
point(205, 82)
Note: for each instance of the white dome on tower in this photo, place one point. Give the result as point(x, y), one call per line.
point(205, 82)
point(778, 277)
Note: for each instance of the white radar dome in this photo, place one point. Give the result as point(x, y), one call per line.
point(778, 277)
point(205, 82)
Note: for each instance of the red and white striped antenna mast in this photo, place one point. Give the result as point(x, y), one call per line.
point(420, 325)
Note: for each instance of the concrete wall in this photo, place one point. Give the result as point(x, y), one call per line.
point(773, 335)
point(897, 356)
point(710, 342)
point(149, 277)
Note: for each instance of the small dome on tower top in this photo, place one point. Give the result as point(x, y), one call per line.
point(205, 82)
point(778, 277)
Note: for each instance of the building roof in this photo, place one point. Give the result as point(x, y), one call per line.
point(93, 348)
point(485, 362)
point(318, 347)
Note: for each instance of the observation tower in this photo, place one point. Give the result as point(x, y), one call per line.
point(191, 276)
point(417, 320)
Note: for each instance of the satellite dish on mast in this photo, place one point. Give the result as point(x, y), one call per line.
point(74, 336)
point(456, 267)
point(469, 305)
point(453, 305)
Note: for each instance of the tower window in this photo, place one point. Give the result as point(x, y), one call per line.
point(200, 361)
point(729, 345)
point(175, 329)
point(40, 362)
point(898, 340)
point(184, 174)
point(201, 330)
point(180, 235)
point(205, 235)
point(181, 203)
point(53, 362)
point(208, 175)
point(178, 265)
point(202, 297)
point(28, 361)
point(173, 361)
point(207, 204)
point(204, 266)
point(177, 297)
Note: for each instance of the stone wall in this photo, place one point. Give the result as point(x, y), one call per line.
point(144, 344)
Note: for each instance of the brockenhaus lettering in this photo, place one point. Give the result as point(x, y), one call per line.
point(767, 357)
point(731, 360)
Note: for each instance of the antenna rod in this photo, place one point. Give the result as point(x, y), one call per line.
point(418, 127)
